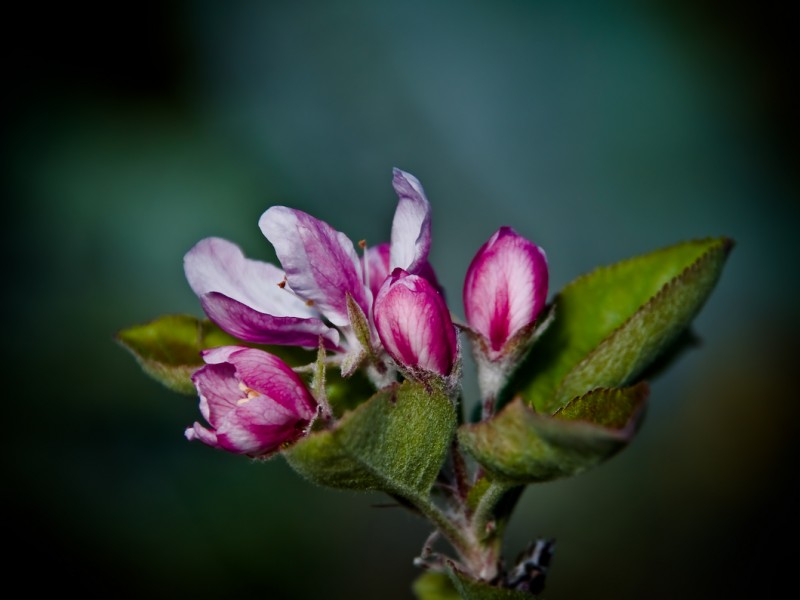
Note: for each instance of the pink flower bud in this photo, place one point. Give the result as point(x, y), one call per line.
point(414, 324)
point(253, 401)
point(505, 288)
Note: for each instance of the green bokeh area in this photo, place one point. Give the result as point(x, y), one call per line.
point(599, 133)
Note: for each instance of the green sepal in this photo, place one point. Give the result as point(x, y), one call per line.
point(168, 348)
point(519, 446)
point(612, 323)
point(473, 589)
point(395, 442)
point(360, 324)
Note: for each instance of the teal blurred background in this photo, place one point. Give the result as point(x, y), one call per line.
point(133, 130)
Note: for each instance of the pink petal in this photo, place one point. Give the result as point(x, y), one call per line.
point(270, 376)
point(250, 325)
point(259, 426)
point(376, 265)
point(414, 324)
point(426, 270)
point(217, 265)
point(198, 432)
point(321, 264)
point(219, 390)
point(220, 354)
point(506, 286)
point(411, 227)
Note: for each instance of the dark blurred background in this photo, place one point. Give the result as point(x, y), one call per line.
point(132, 130)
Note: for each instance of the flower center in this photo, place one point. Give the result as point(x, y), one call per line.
point(250, 393)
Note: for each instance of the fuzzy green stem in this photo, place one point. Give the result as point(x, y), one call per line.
point(449, 529)
point(484, 511)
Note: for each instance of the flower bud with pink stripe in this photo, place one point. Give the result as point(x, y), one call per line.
point(252, 400)
point(414, 325)
point(505, 290)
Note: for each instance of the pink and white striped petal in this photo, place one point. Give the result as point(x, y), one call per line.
point(414, 324)
point(505, 288)
point(258, 427)
point(321, 264)
point(217, 265)
point(249, 325)
point(411, 227)
point(376, 266)
point(268, 375)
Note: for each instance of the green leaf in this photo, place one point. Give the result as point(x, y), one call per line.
point(520, 446)
point(323, 459)
point(168, 348)
point(434, 586)
point(615, 321)
point(612, 408)
point(472, 589)
point(395, 442)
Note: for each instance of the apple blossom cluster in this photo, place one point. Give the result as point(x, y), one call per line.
point(383, 311)
point(563, 382)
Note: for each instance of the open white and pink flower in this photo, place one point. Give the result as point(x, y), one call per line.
point(307, 299)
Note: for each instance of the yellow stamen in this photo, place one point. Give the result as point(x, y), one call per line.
point(251, 393)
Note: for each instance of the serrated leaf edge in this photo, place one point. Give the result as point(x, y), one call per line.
point(724, 247)
point(724, 240)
